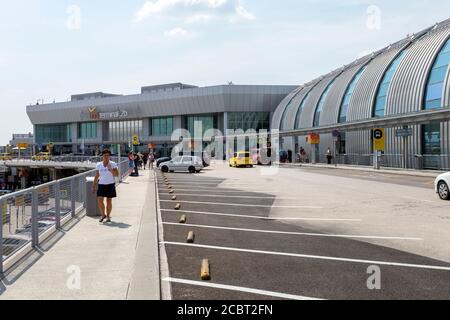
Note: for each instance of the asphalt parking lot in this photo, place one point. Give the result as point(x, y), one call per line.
point(255, 254)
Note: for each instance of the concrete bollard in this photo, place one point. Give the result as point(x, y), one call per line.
point(205, 273)
point(190, 237)
point(174, 198)
point(177, 206)
point(183, 219)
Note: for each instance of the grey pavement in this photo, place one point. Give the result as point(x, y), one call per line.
point(397, 171)
point(94, 261)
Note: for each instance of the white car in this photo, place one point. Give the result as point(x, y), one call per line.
point(190, 164)
point(441, 185)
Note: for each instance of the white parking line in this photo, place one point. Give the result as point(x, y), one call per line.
point(371, 262)
point(293, 233)
point(240, 289)
point(259, 217)
point(412, 198)
point(245, 205)
point(224, 191)
point(243, 197)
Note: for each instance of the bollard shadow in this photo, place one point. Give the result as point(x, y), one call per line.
point(12, 274)
point(119, 225)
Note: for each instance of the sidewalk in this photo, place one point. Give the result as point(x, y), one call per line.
point(115, 261)
point(404, 172)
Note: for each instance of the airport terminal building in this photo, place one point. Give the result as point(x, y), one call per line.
point(95, 120)
point(408, 77)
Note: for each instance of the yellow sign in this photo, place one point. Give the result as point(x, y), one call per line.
point(379, 139)
point(19, 201)
point(313, 138)
point(136, 140)
point(22, 145)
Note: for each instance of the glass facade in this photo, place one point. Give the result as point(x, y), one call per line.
point(320, 105)
point(160, 127)
point(123, 131)
point(53, 133)
point(435, 88)
point(249, 120)
point(285, 111)
point(348, 95)
point(380, 102)
point(206, 120)
point(300, 110)
point(87, 130)
point(431, 145)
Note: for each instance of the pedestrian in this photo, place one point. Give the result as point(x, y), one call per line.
point(105, 180)
point(145, 159)
point(130, 163)
point(136, 165)
point(152, 160)
point(140, 160)
point(329, 156)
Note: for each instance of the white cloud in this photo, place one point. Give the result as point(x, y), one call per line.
point(176, 33)
point(195, 10)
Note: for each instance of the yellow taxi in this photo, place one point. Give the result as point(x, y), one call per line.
point(41, 156)
point(5, 156)
point(241, 159)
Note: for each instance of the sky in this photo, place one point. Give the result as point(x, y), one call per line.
point(50, 49)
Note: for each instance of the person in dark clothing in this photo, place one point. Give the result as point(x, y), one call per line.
point(136, 164)
point(329, 156)
point(290, 156)
point(145, 159)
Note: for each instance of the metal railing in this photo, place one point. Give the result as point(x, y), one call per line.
point(28, 215)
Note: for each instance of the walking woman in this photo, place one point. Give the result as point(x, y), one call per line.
point(130, 163)
point(106, 172)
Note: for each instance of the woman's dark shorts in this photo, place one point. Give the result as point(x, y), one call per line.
point(107, 191)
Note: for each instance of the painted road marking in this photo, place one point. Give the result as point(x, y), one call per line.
point(295, 233)
point(412, 198)
point(370, 262)
point(258, 217)
point(240, 289)
point(244, 197)
point(224, 191)
point(245, 205)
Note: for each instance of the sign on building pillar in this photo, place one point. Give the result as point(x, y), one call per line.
point(379, 145)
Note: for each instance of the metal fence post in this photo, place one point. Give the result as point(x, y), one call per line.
point(57, 205)
point(34, 217)
point(1, 238)
point(72, 196)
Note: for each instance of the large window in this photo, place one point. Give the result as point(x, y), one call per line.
point(123, 131)
point(435, 88)
point(207, 123)
point(320, 105)
point(285, 111)
point(348, 95)
point(248, 120)
point(300, 110)
point(380, 102)
point(161, 127)
point(431, 145)
point(53, 133)
point(87, 130)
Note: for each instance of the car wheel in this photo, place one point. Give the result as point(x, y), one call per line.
point(443, 191)
point(198, 171)
point(191, 170)
point(165, 169)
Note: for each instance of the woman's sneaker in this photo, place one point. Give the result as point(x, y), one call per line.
point(108, 220)
point(102, 219)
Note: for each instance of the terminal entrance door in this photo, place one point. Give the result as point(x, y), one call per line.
point(431, 146)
